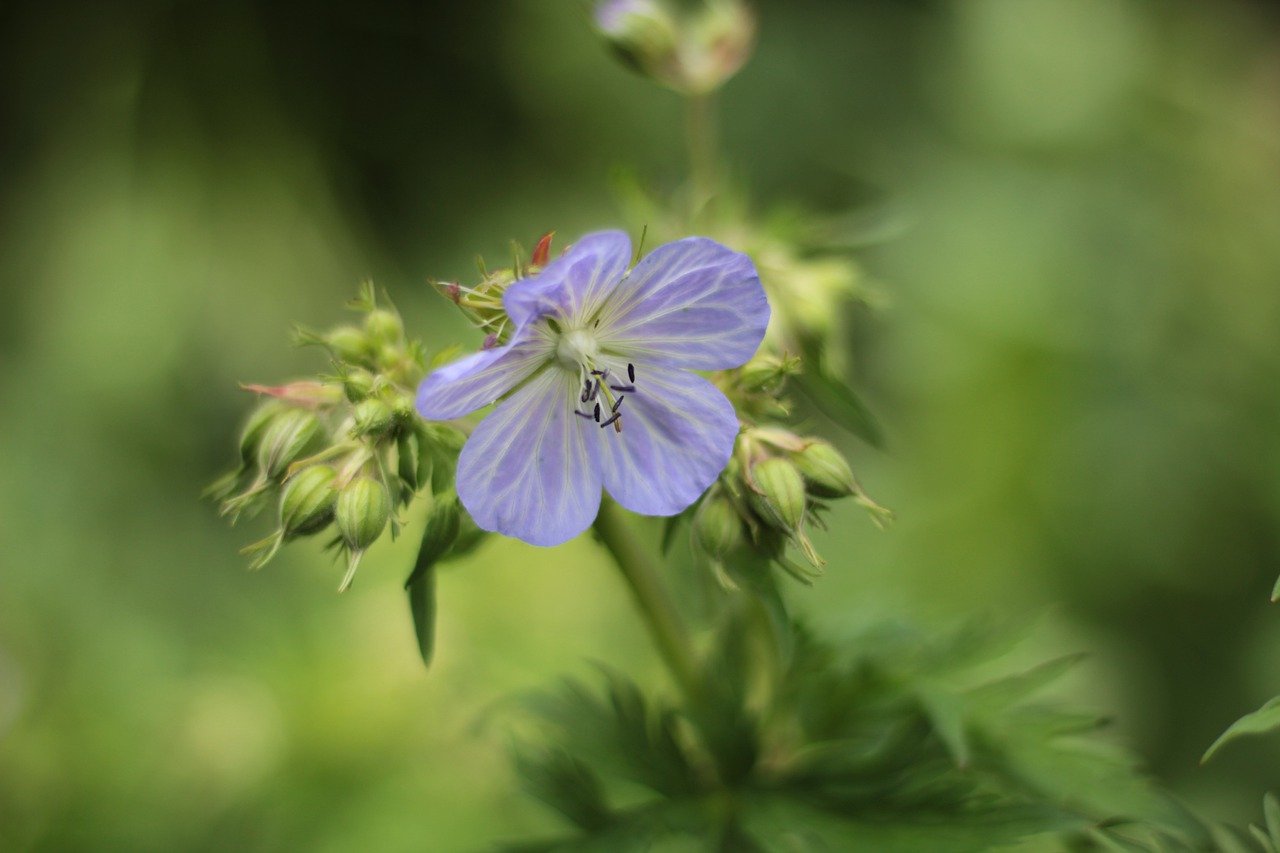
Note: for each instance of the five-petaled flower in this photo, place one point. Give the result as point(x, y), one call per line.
point(598, 386)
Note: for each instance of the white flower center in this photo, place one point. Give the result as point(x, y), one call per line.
point(576, 348)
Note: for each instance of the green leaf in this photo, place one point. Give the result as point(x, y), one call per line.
point(838, 401)
point(1271, 810)
point(1262, 721)
point(567, 785)
point(422, 604)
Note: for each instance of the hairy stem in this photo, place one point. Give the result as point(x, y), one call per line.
point(658, 610)
point(700, 129)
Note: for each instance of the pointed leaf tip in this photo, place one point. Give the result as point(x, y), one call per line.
point(1262, 721)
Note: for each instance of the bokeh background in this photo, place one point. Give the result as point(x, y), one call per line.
point(1076, 359)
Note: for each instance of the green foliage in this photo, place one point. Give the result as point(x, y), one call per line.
point(1262, 721)
point(898, 742)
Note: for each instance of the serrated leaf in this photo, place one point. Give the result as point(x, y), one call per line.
point(1013, 688)
point(567, 785)
point(1262, 721)
point(947, 716)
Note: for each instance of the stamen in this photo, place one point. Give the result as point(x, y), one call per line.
point(623, 388)
point(612, 418)
point(617, 403)
point(582, 414)
point(595, 390)
point(631, 372)
point(597, 415)
point(601, 373)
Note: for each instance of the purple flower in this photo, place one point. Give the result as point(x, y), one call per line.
point(598, 386)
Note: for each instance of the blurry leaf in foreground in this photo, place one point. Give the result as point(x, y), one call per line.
point(1262, 721)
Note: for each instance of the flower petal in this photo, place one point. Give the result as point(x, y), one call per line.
point(531, 469)
point(481, 378)
point(677, 435)
point(574, 285)
point(693, 303)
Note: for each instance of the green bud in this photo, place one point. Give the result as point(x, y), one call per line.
point(287, 437)
point(403, 409)
point(362, 512)
point(763, 373)
point(778, 493)
point(717, 526)
point(383, 326)
point(255, 429)
point(358, 384)
point(307, 501)
point(644, 35)
point(825, 470)
point(372, 416)
point(348, 343)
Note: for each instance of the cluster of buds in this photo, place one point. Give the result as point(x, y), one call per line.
point(775, 488)
point(345, 452)
point(693, 52)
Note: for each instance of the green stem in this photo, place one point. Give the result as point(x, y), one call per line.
point(656, 606)
point(700, 127)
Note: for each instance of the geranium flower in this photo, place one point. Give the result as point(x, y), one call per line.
point(596, 386)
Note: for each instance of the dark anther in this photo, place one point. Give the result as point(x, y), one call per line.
point(601, 373)
point(581, 414)
point(617, 403)
point(597, 413)
point(613, 418)
point(623, 388)
point(631, 372)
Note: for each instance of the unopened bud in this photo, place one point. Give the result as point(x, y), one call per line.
point(717, 527)
point(644, 36)
point(384, 326)
point(721, 38)
point(778, 492)
point(349, 344)
point(372, 416)
point(362, 512)
point(307, 501)
point(358, 384)
point(256, 428)
point(825, 470)
point(287, 437)
point(764, 373)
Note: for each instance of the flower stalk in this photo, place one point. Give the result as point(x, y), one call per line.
point(656, 607)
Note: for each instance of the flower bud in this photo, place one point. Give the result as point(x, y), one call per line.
point(382, 326)
point(825, 470)
point(307, 501)
point(287, 437)
point(358, 384)
point(255, 429)
point(372, 416)
point(362, 512)
point(778, 493)
point(349, 344)
point(721, 39)
point(644, 36)
point(716, 526)
point(766, 373)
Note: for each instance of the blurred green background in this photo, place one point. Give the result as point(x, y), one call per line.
point(1077, 364)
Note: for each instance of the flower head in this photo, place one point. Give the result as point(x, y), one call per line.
point(596, 386)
